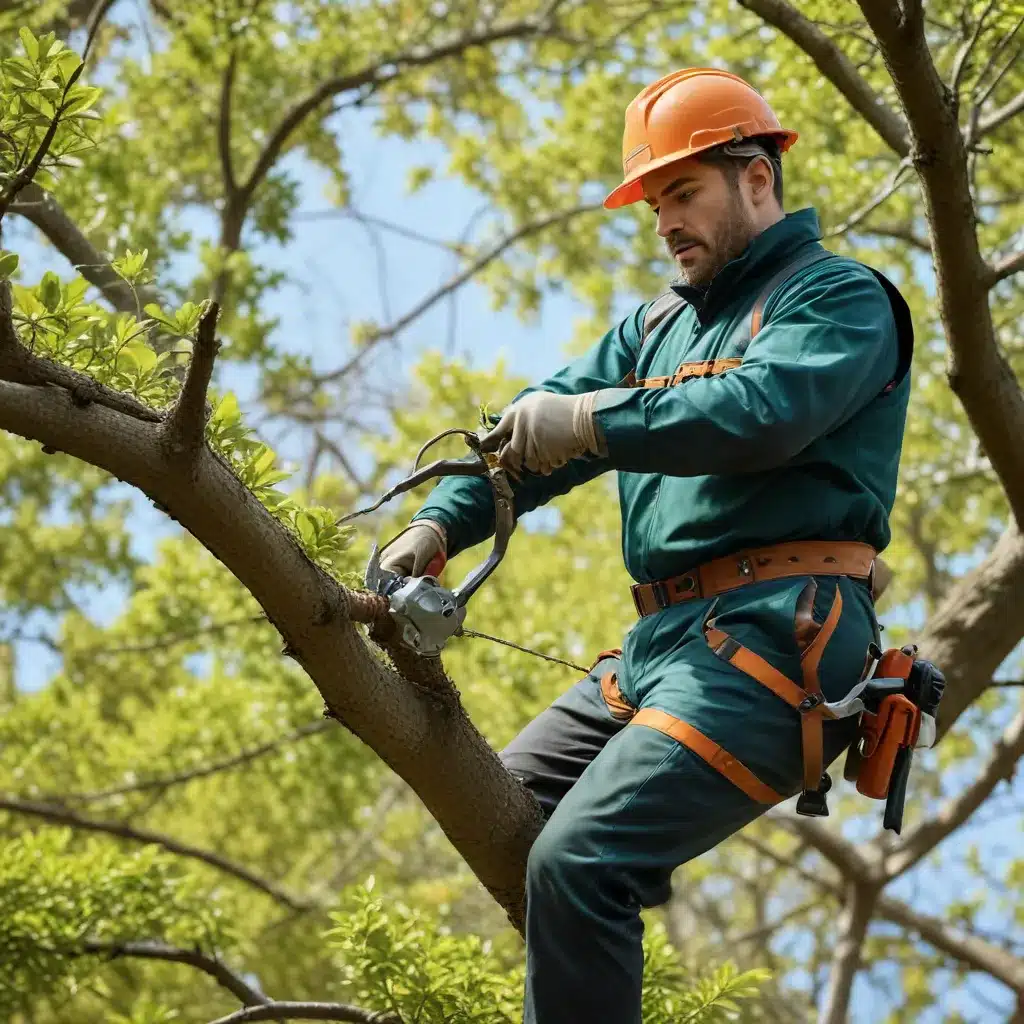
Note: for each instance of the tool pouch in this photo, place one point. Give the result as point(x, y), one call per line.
point(881, 737)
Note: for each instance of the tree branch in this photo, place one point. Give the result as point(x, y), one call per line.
point(41, 209)
point(1000, 115)
point(967, 949)
point(832, 846)
point(1009, 749)
point(978, 372)
point(474, 268)
point(846, 958)
point(224, 127)
point(224, 977)
point(203, 771)
point(1005, 268)
point(307, 1011)
point(887, 190)
point(376, 75)
point(413, 718)
point(57, 815)
point(186, 423)
point(837, 68)
point(963, 55)
point(976, 628)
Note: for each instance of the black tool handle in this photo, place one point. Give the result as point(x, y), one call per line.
point(893, 817)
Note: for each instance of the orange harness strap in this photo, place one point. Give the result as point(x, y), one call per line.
point(705, 368)
point(808, 700)
point(708, 750)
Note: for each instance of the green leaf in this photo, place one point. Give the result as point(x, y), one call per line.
point(50, 291)
point(29, 41)
point(8, 265)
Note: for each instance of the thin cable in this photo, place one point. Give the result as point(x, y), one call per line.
point(525, 650)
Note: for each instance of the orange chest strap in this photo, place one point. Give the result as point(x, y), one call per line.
point(808, 699)
point(686, 371)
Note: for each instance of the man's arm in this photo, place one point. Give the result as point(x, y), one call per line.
point(828, 348)
point(463, 506)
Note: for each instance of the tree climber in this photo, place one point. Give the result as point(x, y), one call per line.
point(755, 417)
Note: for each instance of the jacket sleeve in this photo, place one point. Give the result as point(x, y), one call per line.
point(828, 348)
point(464, 506)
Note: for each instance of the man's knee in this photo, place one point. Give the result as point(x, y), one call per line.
point(562, 859)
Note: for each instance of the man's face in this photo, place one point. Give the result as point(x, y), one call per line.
point(704, 220)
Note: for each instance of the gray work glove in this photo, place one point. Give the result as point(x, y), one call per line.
point(543, 431)
point(419, 550)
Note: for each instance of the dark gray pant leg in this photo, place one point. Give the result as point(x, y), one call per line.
point(553, 751)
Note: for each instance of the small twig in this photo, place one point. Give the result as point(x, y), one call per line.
point(28, 172)
point(308, 1011)
point(386, 225)
point(186, 423)
point(534, 227)
point(203, 771)
point(962, 57)
point(893, 184)
point(64, 816)
point(224, 976)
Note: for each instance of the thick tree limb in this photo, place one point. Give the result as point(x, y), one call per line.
point(846, 958)
point(977, 626)
point(57, 815)
point(186, 424)
point(925, 837)
point(203, 771)
point(977, 371)
point(42, 210)
point(837, 68)
point(224, 976)
point(307, 1011)
point(419, 729)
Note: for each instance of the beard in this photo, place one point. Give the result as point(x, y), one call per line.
point(734, 234)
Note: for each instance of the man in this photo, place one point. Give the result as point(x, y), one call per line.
point(756, 431)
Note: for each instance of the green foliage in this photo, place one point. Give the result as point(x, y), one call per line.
point(401, 960)
point(56, 894)
point(39, 88)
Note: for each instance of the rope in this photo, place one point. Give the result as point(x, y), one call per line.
point(525, 650)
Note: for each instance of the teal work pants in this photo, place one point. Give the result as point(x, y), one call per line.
point(626, 803)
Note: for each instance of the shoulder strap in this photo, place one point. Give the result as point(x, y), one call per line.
point(658, 310)
point(783, 275)
point(900, 310)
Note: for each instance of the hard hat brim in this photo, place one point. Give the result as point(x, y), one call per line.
point(631, 189)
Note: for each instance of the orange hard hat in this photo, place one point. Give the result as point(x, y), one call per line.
point(685, 113)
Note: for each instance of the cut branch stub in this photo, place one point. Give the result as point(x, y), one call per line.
point(186, 423)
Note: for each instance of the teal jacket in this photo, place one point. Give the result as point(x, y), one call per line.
point(801, 441)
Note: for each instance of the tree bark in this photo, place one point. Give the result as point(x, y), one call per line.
point(853, 930)
point(422, 733)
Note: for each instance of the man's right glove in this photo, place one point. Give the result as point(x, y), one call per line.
point(419, 550)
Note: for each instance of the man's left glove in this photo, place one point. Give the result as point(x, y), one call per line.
point(542, 432)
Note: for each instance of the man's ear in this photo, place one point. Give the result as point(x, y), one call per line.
point(760, 180)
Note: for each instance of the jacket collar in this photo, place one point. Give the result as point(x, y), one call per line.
point(774, 245)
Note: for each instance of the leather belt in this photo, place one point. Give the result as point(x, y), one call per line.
point(796, 558)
